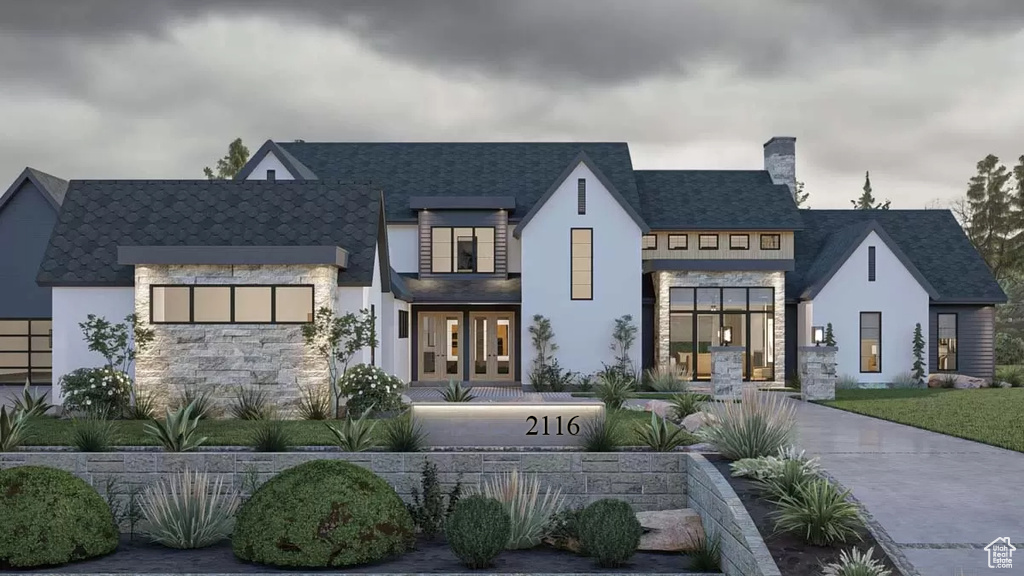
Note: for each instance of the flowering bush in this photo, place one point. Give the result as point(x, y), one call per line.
point(369, 385)
point(97, 389)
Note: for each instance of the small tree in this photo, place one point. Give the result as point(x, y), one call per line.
point(623, 337)
point(543, 339)
point(336, 340)
point(918, 354)
point(830, 339)
point(117, 343)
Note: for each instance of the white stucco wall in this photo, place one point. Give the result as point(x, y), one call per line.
point(804, 315)
point(270, 162)
point(354, 298)
point(583, 328)
point(70, 307)
point(515, 252)
point(403, 247)
point(895, 293)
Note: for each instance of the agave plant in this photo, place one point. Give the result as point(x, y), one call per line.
point(188, 511)
point(530, 512)
point(791, 477)
point(12, 429)
point(177, 432)
point(456, 393)
point(684, 404)
point(853, 562)
point(355, 435)
point(819, 513)
point(614, 389)
point(30, 405)
point(661, 436)
point(759, 425)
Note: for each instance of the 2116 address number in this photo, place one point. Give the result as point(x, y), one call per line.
point(570, 426)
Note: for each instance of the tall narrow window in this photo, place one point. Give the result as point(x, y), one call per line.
point(870, 341)
point(271, 175)
point(403, 323)
point(946, 353)
point(650, 242)
point(582, 256)
point(871, 263)
point(581, 196)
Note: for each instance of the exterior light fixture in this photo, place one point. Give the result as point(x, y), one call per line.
point(818, 335)
point(726, 335)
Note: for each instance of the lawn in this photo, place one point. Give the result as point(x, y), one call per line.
point(640, 396)
point(986, 415)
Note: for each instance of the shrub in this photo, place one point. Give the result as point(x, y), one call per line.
point(759, 425)
point(623, 336)
point(847, 382)
point(1012, 375)
point(144, 407)
point(251, 404)
point(354, 435)
point(324, 513)
point(563, 530)
point(368, 386)
point(853, 562)
point(29, 404)
point(13, 428)
point(529, 511)
point(585, 382)
point(610, 532)
point(684, 404)
point(93, 434)
point(947, 381)
point(315, 403)
point(905, 380)
point(707, 557)
point(456, 393)
point(429, 514)
point(665, 380)
point(188, 511)
point(51, 517)
point(770, 467)
point(202, 401)
point(478, 530)
point(551, 377)
point(795, 382)
point(819, 514)
point(1009, 349)
point(661, 436)
point(404, 434)
point(336, 340)
point(790, 478)
point(99, 390)
point(177, 432)
point(604, 433)
point(270, 436)
point(614, 389)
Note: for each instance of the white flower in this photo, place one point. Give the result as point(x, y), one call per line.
point(93, 386)
point(109, 392)
point(373, 385)
point(88, 402)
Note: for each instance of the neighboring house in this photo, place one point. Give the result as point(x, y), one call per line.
point(456, 246)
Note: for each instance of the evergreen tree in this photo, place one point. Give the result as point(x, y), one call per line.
point(830, 339)
point(801, 196)
point(867, 200)
point(918, 371)
point(231, 164)
point(992, 215)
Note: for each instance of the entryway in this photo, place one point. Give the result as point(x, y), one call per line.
point(466, 345)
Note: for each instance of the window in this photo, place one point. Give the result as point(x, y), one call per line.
point(870, 341)
point(677, 241)
point(25, 351)
point(271, 175)
point(462, 250)
point(871, 263)
point(771, 241)
point(650, 242)
point(403, 323)
point(289, 304)
point(707, 241)
point(582, 256)
point(946, 352)
point(739, 241)
point(581, 196)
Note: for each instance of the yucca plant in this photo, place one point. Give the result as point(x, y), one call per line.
point(250, 404)
point(530, 511)
point(666, 379)
point(661, 436)
point(315, 403)
point(614, 389)
point(13, 428)
point(819, 513)
point(853, 562)
point(404, 434)
point(270, 436)
point(684, 404)
point(93, 434)
point(789, 479)
point(604, 433)
point(177, 431)
point(29, 404)
point(456, 393)
point(707, 557)
point(144, 407)
point(188, 511)
point(202, 401)
point(355, 435)
point(759, 425)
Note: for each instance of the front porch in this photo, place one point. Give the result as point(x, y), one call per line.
point(474, 344)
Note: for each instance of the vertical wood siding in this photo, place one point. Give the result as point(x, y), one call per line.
point(498, 219)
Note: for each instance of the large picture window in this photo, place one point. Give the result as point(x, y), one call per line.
point(25, 351)
point(870, 341)
point(287, 304)
point(946, 352)
point(699, 317)
point(581, 247)
point(462, 250)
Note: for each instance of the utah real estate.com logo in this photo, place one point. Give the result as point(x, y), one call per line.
point(1000, 553)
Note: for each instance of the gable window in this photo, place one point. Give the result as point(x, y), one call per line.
point(403, 323)
point(25, 351)
point(871, 263)
point(287, 304)
point(650, 242)
point(771, 241)
point(271, 175)
point(462, 250)
point(581, 196)
point(677, 241)
point(582, 257)
point(739, 241)
point(946, 352)
point(870, 341)
point(707, 241)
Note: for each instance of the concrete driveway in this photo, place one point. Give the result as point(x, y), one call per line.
point(941, 499)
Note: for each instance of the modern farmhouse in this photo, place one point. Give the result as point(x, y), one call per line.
point(455, 247)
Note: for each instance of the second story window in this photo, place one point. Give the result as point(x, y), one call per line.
point(708, 241)
point(771, 241)
point(677, 241)
point(871, 263)
point(462, 250)
point(581, 196)
point(581, 262)
point(650, 242)
point(739, 241)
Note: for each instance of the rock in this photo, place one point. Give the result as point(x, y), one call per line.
point(695, 421)
point(961, 381)
point(659, 407)
point(406, 400)
point(670, 530)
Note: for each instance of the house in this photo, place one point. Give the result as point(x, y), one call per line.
point(455, 247)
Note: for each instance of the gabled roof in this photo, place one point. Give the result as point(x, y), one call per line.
point(295, 168)
point(524, 171)
point(100, 215)
point(715, 200)
point(931, 244)
point(52, 188)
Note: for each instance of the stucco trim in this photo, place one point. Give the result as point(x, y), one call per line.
point(232, 255)
point(297, 169)
point(719, 265)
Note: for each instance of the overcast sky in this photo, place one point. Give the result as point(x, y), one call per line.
point(916, 91)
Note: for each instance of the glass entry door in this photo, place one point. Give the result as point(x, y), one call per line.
point(491, 335)
point(439, 346)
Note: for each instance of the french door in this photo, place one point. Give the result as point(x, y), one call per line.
point(491, 339)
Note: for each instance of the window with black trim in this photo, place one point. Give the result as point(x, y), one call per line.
point(771, 241)
point(870, 341)
point(707, 242)
point(581, 196)
point(678, 241)
point(650, 242)
point(403, 323)
point(871, 263)
point(739, 241)
point(582, 257)
point(945, 353)
point(26, 351)
point(462, 250)
point(220, 304)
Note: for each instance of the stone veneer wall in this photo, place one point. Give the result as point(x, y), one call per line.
point(726, 372)
point(817, 365)
point(665, 280)
point(270, 356)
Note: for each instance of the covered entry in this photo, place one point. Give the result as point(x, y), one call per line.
point(468, 344)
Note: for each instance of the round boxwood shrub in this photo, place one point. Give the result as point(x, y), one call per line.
point(477, 530)
point(98, 390)
point(368, 386)
point(610, 532)
point(50, 517)
point(320, 514)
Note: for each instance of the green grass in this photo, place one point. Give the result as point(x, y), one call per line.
point(985, 415)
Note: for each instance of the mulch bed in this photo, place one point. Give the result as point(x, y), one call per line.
point(793, 556)
point(139, 556)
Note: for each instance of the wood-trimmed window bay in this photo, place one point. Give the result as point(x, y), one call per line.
point(241, 304)
point(582, 257)
point(462, 250)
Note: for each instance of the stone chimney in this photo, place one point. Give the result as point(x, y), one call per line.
point(780, 161)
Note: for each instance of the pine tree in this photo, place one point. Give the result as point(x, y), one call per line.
point(993, 215)
point(830, 339)
point(918, 371)
point(800, 196)
point(867, 200)
point(231, 164)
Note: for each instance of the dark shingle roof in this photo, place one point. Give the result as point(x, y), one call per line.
point(99, 215)
point(404, 170)
point(481, 290)
point(52, 187)
point(715, 199)
point(931, 239)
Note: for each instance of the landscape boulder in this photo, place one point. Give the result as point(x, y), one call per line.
point(695, 421)
point(659, 407)
point(670, 530)
point(962, 381)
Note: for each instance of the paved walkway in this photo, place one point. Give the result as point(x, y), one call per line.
point(941, 499)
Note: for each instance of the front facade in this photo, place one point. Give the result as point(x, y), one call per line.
point(456, 248)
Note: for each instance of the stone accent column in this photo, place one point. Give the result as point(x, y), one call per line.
point(817, 365)
point(726, 372)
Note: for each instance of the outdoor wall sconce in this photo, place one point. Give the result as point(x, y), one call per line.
point(726, 335)
point(818, 335)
